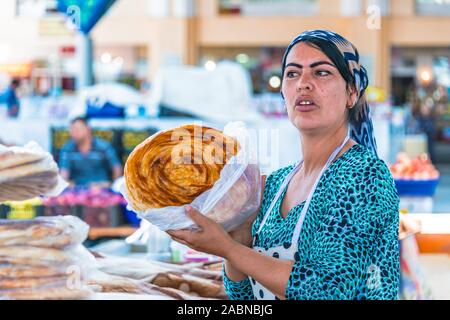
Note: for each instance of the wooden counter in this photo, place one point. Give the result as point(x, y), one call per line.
point(434, 237)
point(117, 232)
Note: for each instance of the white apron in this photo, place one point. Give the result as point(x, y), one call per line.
point(288, 250)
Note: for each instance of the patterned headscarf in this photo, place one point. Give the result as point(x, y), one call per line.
point(361, 128)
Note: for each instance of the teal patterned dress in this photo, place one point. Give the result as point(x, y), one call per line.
point(348, 246)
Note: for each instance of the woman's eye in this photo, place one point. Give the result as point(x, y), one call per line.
point(323, 73)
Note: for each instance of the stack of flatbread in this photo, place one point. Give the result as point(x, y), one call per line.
point(27, 172)
point(40, 258)
point(137, 276)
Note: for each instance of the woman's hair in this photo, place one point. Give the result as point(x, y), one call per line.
point(333, 53)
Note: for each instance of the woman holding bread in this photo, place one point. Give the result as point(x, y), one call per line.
point(327, 227)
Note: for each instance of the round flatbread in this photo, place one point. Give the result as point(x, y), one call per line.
point(173, 167)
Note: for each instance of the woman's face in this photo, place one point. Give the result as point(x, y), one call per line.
point(315, 92)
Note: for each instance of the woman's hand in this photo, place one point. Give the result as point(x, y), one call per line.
point(211, 238)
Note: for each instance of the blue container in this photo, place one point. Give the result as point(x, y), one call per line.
point(416, 188)
point(107, 111)
point(131, 217)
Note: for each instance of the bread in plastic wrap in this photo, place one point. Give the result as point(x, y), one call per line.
point(44, 258)
point(233, 198)
point(27, 172)
point(47, 232)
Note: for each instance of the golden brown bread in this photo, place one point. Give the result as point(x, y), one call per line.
point(44, 166)
point(15, 156)
point(32, 282)
point(51, 293)
point(173, 167)
point(18, 271)
point(190, 284)
point(54, 232)
point(34, 256)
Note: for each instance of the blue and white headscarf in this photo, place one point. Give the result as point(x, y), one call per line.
point(361, 129)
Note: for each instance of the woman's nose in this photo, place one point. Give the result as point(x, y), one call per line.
point(304, 82)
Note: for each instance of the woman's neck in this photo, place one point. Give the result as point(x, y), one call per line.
point(317, 148)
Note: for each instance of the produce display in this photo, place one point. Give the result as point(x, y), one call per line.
point(419, 168)
point(415, 177)
point(97, 207)
point(86, 197)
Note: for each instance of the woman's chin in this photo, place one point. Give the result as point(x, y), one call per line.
point(305, 125)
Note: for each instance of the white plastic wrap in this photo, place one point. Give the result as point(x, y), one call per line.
point(232, 199)
point(44, 232)
point(44, 259)
point(27, 172)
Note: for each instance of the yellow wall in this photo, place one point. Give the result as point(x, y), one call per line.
point(400, 27)
point(133, 25)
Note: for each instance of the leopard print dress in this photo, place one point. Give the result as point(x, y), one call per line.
point(348, 246)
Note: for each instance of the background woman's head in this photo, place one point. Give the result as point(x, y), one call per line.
point(314, 68)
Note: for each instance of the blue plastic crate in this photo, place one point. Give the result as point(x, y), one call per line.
point(131, 217)
point(416, 188)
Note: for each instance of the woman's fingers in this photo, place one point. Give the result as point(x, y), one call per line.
point(181, 234)
point(197, 216)
point(181, 241)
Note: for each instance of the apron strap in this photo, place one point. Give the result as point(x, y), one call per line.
point(278, 194)
point(298, 227)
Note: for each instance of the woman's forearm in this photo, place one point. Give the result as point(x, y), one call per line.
point(243, 261)
point(233, 273)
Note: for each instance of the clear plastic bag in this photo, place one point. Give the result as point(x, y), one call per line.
point(44, 259)
point(46, 232)
point(27, 172)
point(232, 199)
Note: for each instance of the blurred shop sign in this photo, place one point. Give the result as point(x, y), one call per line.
point(67, 51)
point(53, 26)
point(19, 70)
point(269, 7)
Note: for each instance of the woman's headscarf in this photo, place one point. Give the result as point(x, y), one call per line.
point(361, 128)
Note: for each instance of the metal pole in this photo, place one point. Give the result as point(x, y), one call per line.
point(85, 60)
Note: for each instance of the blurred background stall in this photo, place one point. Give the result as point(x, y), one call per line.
point(137, 69)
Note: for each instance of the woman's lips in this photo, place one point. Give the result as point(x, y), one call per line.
point(305, 107)
point(305, 104)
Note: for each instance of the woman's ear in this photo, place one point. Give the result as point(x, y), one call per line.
point(352, 97)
